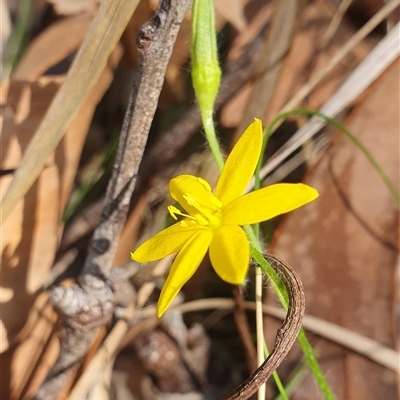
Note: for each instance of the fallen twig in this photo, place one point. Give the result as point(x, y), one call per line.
point(286, 335)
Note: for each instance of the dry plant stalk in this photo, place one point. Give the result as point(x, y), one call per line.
point(286, 335)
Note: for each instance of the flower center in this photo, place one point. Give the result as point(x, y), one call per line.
point(205, 215)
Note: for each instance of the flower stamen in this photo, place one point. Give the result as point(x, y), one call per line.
point(175, 211)
point(204, 183)
point(206, 216)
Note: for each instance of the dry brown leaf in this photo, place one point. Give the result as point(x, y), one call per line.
point(29, 363)
point(31, 234)
point(233, 12)
point(59, 40)
point(344, 245)
point(5, 26)
point(262, 13)
point(73, 7)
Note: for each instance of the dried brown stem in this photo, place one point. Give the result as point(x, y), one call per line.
point(285, 336)
point(88, 305)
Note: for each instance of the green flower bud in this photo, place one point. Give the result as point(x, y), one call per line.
point(206, 73)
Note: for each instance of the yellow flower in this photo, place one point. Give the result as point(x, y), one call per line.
point(212, 220)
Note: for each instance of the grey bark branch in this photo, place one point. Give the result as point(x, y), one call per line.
point(88, 305)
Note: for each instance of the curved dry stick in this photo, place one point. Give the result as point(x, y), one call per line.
point(286, 335)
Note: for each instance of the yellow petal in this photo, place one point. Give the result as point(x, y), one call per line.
point(267, 203)
point(183, 268)
point(166, 242)
point(230, 254)
point(240, 164)
point(188, 190)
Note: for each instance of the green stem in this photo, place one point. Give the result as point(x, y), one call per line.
point(314, 365)
point(294, 381)
point(208, 124)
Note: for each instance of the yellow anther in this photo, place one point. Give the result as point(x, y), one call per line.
point(186, 223)
point(191, 200)
point(205, 184)
point(216, 201)
point(207, 215)
point(201, 220)
point(175, 211)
